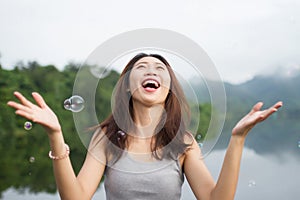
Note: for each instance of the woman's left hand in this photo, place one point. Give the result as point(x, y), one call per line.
point(253, 117)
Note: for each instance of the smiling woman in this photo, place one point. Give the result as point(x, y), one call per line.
point(152, 115)
point(143, 148)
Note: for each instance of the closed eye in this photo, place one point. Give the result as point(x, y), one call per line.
point(140, 66)
point(160, 67)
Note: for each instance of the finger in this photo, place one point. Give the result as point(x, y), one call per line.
point(275, 107)
point(12, 104)
point(278, 105)
point(39, 99)
point(256, 107)
point(22, 99)
point(271, 110)
point(18, 106)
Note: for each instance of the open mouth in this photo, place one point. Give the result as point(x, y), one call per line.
point(151, 84)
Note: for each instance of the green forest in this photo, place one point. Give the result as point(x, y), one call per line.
point(24, 162)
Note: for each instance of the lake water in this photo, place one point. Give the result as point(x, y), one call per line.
point(262, 177)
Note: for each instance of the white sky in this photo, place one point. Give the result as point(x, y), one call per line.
point(243, 38)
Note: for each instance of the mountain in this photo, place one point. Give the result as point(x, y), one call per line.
point(279, 132)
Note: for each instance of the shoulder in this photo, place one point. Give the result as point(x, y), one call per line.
point(98, 144)
point(192, 151)
point(190, 140)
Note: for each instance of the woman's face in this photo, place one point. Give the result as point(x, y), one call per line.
point(149, 81)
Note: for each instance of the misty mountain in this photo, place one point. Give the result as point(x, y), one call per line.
point(282, 130)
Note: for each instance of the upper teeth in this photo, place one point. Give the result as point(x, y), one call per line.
point(151, 82)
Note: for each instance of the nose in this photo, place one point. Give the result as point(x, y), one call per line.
point(150, 71)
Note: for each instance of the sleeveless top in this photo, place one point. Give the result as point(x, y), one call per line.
point(131, 179)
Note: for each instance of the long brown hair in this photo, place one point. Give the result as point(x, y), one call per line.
point(170, 131)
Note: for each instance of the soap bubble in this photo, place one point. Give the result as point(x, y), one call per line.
point(251, 183)
point(121, 135)
point(32, 159)
point(67, 104)
point(74, 104)
point(27, 126)
point(198, 137)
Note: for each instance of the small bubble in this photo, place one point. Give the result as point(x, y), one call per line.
point(29, 173)
point(299, 144)
point(32, 159)
point(200, 144)
point(74, 103)
point(251, 183)
point(121, 133)
point(67, 104)
point(27, 126)
point(198, 137)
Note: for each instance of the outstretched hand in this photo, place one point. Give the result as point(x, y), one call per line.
point(253, 117)
point(38, 113)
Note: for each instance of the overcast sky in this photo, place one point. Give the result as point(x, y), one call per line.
point(243, 38)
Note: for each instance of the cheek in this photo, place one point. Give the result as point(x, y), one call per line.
point(167, 81)
point(133, 83)
point(165, 87)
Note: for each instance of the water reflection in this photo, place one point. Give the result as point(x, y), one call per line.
point(270, 176)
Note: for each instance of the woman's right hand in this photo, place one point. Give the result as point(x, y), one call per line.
point(39, 113)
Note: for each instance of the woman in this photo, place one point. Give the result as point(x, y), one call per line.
point(147, 124)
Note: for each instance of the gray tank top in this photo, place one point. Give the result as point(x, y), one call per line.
point(130, 179)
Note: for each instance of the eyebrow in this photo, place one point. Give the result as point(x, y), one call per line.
point(144, 62)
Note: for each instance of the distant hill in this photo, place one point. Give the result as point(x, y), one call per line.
point(278, 133)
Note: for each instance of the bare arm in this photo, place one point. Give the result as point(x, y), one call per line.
point(228, 178)
point(69, 186)
point(201, 183)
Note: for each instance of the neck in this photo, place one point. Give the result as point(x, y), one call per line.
point(147, 118)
